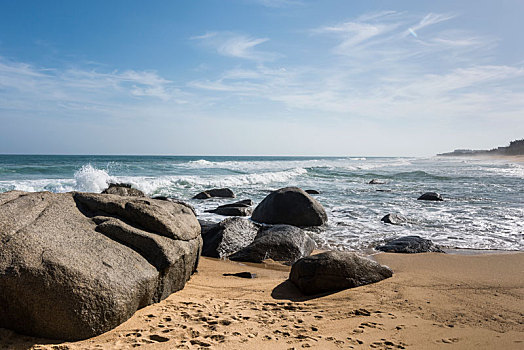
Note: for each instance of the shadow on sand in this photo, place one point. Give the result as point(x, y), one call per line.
point(288, 291)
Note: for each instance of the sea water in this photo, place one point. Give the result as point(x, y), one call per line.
point(483, 205)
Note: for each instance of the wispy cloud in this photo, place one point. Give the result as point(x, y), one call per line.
point(236, 45)
point(24, 87)
point(378, 72)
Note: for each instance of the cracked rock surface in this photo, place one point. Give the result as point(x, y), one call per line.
point(75, 265)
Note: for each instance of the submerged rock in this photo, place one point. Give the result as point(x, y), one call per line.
point(75, 265)
point(280, 242)
point(376, 182)
point(216, 192)
point(227, 237)
point(409, 244)
point(334, 270)
point(430, 196)
point(394, 219)
point(123, 189)
point(292, 206)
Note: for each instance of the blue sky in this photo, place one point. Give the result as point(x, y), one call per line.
point(260, 77)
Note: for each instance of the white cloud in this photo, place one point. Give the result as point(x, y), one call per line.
point(379, 73)
point(24, 87)
point(236, 45)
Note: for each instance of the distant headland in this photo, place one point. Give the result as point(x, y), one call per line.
point(515, 148)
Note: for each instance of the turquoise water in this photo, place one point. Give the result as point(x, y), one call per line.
point(483, 207)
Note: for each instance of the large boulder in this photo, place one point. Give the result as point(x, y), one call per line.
point(75, 265)
point(215, 192)
point(430, 196)
point(292, 206)
point(280, 242)
point(123, 189)
point(409, 244)
point(332, 271)
point(227, 237)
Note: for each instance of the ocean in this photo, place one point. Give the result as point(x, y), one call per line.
point(483, 205)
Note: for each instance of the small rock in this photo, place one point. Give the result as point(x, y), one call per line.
point(430, 196)
point(241, 208)
point(242, 203)
point(122, 189)
point(216, 192)
point(394, 219)
point(232, 211)
point(376, 182)
point(410, 244)
point(245, 274)
point(312, 192)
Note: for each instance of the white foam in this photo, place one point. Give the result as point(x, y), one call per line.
point(153, 185)
point(201, 163)
point(91, 179)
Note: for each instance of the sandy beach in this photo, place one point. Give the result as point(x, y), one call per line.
point(433, 301)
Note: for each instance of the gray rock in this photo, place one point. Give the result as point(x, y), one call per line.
point(228, 236)
point(409, 244)
point(216, 192)
point(334, 270)
point(206, 225)
point(175, 200)
point(292, 206)
point(312, 192)
point(123, 189)
point(75, 265)
point(430, 196)
point(241, 208)
point(242, 203)
point(394, 219)
point(376, 182)
point(280, 242)
point(232, 211)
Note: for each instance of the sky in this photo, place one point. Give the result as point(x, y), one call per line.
point(260, 77)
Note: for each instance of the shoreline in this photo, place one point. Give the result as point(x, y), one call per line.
point(433, 300)
point(509, 158)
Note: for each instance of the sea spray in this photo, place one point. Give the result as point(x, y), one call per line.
point(91, 179)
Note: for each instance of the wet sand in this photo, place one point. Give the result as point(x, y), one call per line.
point(433, 301)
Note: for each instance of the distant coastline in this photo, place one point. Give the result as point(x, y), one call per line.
point(515, 148)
